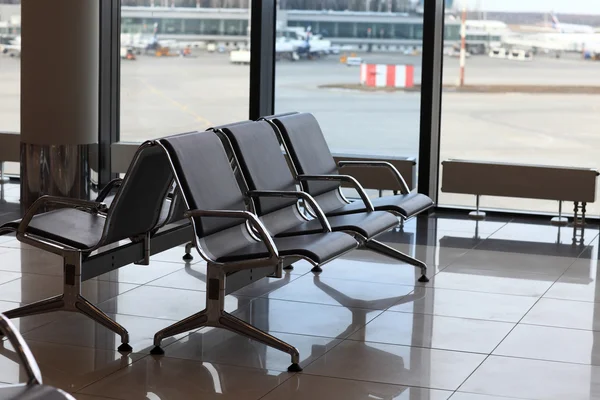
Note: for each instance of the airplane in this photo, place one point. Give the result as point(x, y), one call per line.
point(13, 49)
point(570, 28)
point(304, 42)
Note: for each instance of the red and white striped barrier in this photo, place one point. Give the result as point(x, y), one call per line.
point(382, 75)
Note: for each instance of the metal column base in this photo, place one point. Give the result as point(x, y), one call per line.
point(386, 250)
point(559, 221)
point(215, 316)
point(57, 170)
point(477, 215)
point(72, 300)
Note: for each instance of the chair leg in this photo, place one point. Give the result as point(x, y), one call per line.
point(214, 315)
point(386, 250)
point(192, 322)
point(72, 300)
point(85, 307)
point(55, 303)
point(236, 325)
point(188, 252)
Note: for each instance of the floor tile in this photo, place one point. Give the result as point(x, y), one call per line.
point(31, 261)
point(552, 344)
point(533, 379)
point(33, 287)
point(501, 282)
point(564, 314)
point(164, 303)
point(579, 282)
point(457, 303)
point(401, 365)
point(6, 276)
point(69, 367)
point(266, 285)
point(141, 274)
point(79, 330)
point(474, 396)
point(447, 333)
point(175, 255)
point(224, 347)
point(366, 266)
point(545, 238)
point(468, 225)
point(302, 387)
point(482, 260)
point(304, 318)
point(175, 379)
point(348, 293)
point(79, 396)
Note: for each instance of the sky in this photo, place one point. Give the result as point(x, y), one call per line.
point(558, 6)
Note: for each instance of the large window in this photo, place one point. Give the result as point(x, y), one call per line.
point(183, 68)
point(356, 119)
point(538, 105)
point(10, 66)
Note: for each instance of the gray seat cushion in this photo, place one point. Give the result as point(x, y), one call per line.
point(69, 226)
point(319, 248)
point(407, 205)
point(33, 392)
point(365, 224)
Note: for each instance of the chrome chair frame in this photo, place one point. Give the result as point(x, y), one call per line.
point(26, 358)
point(214, 314)
point(371, 244)
point(72, 299)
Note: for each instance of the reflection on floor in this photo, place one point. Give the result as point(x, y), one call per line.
point(510, 312)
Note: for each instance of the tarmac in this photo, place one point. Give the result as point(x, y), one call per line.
point(161, 96)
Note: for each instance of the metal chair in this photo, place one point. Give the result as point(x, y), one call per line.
point(303, 139)
point(34, 389)
point(313, 165)
point(83, 227)
point(273, 189)
point(232, 239)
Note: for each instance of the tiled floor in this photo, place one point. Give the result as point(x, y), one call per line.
point(510, 313)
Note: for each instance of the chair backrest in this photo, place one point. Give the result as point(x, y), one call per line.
point(205, 178)
point(262, 162)
point(136, 207)
point(308, 149)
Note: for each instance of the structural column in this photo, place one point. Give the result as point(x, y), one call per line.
point(59, 96)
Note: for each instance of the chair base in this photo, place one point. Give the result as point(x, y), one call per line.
point(386, 250)
point(71, 300)
point(215, 316)
point(78, 304)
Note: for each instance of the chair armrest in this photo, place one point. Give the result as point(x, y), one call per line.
point(390, 166)
point(88, 205)
point(115, 183)
point(248, 216)
point(342, 178)
point(7, 328)
point(299, 195)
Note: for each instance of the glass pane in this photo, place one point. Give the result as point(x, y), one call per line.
point(184, 66)
point(326, 81)
point(10, 66)
point(530, 92)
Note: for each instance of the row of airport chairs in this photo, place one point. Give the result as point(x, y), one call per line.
point(241, 201)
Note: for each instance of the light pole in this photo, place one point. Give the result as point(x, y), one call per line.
point(463, 45)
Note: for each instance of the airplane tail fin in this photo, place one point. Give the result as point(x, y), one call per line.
point(555, 22)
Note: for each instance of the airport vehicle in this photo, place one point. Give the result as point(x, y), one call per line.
point(241, 56)
point(13, 48)
point(127, 53)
